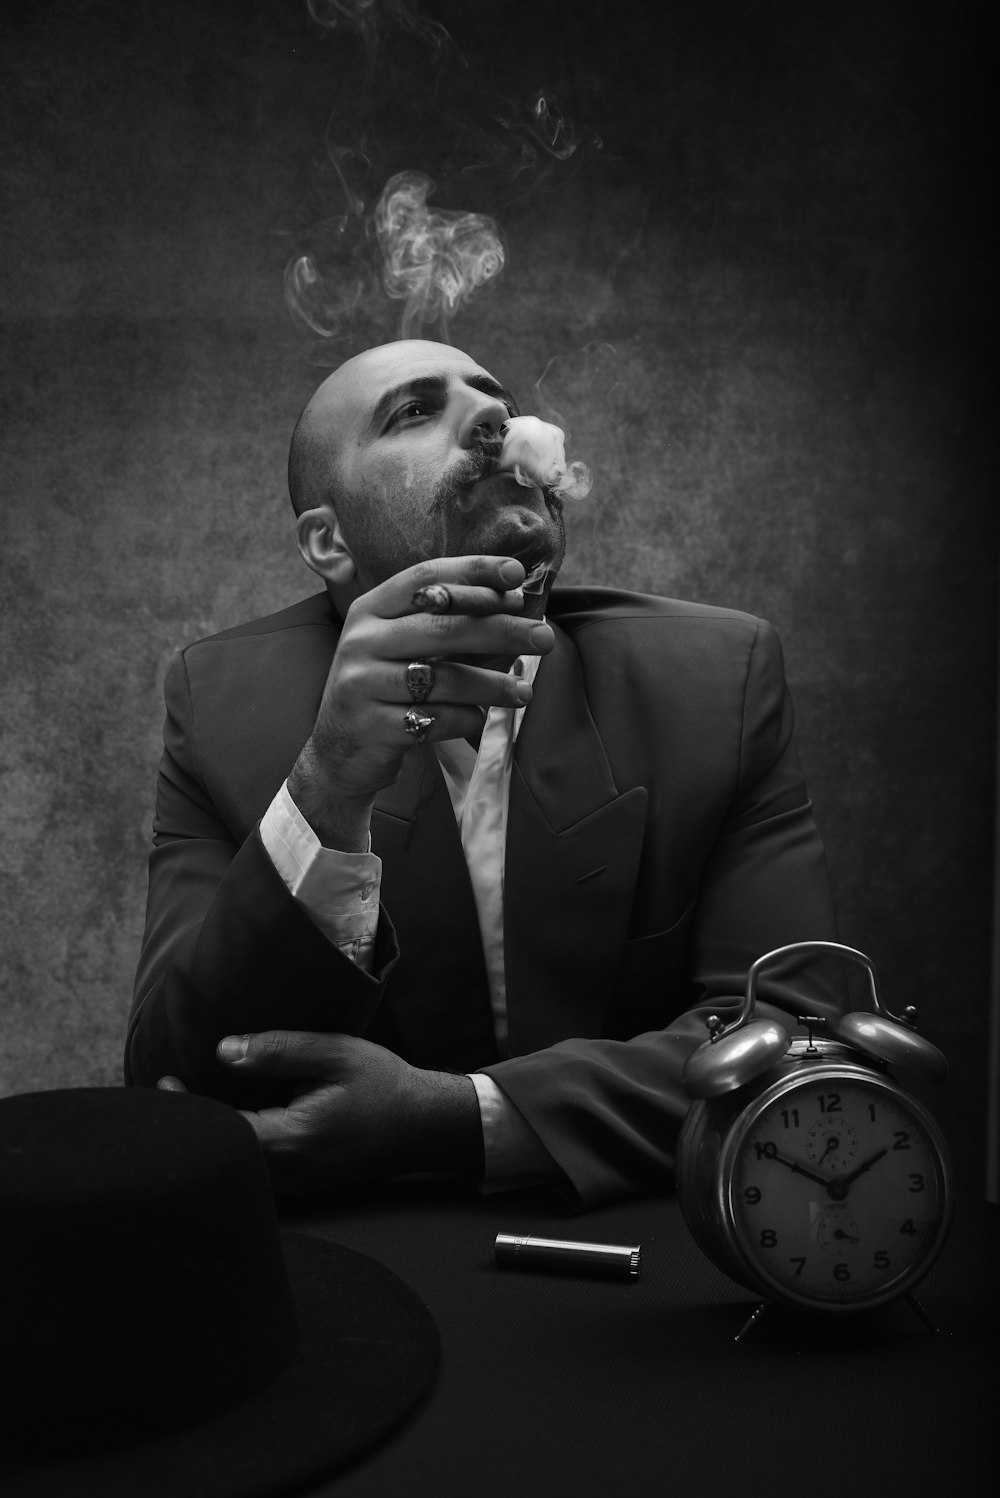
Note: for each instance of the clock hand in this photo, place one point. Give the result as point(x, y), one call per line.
point(771, 1153)
point(866, 1165)
point(842, 1233)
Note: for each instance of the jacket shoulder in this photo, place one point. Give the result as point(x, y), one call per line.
point(307, 613)
point(241, 703)
point(666, 646)
point(576, 608)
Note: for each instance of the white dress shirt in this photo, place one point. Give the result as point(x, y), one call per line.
point(341, 891)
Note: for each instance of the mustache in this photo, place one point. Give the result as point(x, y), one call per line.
point(483, 460)
point(480, 462)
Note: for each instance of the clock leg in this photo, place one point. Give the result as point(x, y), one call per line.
point(918, 1310)
point(752, 1320)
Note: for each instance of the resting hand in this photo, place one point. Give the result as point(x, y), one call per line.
point(360, 1113)
point(359, 739)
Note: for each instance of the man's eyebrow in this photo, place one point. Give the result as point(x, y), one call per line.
point(489, 386)
point(434, 385)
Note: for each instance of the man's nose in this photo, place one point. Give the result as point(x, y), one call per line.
point(482, 420)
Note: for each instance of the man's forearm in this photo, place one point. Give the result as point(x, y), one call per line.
point(249, 961)
point(340, 822)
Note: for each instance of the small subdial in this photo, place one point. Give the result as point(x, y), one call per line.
point(831, 1146)
point(836, 1230)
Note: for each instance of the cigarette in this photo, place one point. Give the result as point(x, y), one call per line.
point(562, 1256)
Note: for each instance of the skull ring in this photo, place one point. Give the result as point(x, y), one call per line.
point(417, 723)
point(419, 680)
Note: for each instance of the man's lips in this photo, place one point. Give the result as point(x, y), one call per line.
point(499, 513)
point(503, 489)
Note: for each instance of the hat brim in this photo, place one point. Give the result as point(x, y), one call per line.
point(368, 1349)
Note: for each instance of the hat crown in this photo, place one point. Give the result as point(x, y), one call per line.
point(144, 1286)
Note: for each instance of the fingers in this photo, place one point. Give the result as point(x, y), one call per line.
point(282, 1053)
point(456, 599)
point(452, 701)
point(374, 653)
point(475, 585)
point(418, 636)
point(456, 633)
point(271, 1125)
point(448, 683)
point(170, 1084)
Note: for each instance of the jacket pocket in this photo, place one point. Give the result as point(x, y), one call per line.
point(654, 984)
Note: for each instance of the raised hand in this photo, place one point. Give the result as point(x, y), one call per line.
point(442, 612)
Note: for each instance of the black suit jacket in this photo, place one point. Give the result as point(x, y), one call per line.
point(660, 838)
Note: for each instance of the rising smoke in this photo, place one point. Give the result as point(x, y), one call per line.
point(432, 262)
point(371, 18)
point(401, 268)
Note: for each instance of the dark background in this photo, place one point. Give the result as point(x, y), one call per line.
point(760, 290)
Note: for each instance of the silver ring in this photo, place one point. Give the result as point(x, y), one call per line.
point(419, 680)
point(416, 723)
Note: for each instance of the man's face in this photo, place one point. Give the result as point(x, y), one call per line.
point(414, 429)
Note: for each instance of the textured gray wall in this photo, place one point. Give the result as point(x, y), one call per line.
point(781, 240)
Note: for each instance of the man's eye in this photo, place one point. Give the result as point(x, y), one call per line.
point(412, 411)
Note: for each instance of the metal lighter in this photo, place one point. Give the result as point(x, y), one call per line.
point(559, 1255)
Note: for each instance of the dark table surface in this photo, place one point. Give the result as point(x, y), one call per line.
point(552, 1384)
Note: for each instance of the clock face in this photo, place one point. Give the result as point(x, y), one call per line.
point(837, 1193)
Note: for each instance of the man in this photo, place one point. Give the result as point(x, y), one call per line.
point(583, 808)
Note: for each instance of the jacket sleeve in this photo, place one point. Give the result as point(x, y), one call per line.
point(226, 949)
point(608, 1111)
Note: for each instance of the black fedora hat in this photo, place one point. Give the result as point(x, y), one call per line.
point(161, 1335)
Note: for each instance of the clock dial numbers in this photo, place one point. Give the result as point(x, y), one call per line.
point(836, 1191)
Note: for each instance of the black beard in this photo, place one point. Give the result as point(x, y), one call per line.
point(496, 533)
point(454, 526)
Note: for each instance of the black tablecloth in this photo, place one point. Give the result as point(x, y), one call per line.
point(553, 1385)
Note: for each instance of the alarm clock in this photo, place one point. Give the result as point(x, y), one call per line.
point(805, 1171)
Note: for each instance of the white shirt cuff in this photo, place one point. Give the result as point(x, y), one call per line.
point(514, 1155)
point(340, 892)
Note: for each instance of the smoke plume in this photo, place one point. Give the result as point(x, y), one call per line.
point(369, 18)
point(432, 262)
point(378, 261)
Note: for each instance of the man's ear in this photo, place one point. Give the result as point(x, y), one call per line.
point(323, 548)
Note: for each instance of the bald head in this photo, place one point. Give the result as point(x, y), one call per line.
point(390, 466)
point(340, 411)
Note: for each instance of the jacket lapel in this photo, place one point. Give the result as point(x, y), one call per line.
point(573, 847)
